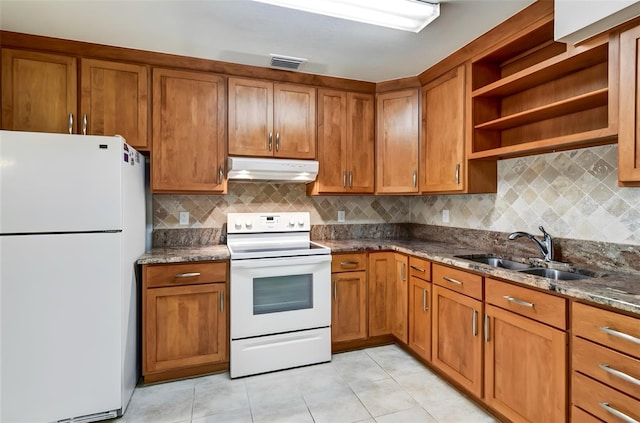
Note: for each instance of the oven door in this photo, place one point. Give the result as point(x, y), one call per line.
point(276, 295)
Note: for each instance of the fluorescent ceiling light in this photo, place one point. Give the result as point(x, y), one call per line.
point(407, 15)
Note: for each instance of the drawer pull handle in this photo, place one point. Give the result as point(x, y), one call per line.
point(619, 374)
point(617, 413)
point(517, 301)
point(622, 335)
point(344, 179)
point(448, 279)
point(349, 263)
point(188, 275)
point(419, 269)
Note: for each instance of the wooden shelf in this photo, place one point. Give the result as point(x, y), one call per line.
point(571, 105)
point(580, 140)
point(543, 72)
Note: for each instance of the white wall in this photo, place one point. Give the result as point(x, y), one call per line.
point(576, 20)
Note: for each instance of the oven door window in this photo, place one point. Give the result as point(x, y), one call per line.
point(282, 293)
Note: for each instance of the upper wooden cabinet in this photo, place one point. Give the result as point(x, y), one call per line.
point(188, 132)
point(345, 143)
point(443, 163)
point(39, 92)
point(442, 144)
point(531, 95)
point(629, 131)
point(113, 100)
point(397, 142)
point(271, 120)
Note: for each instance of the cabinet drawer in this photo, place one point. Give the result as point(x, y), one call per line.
point(580, 416)
point(458, 280)
point(602, 401)
point(536, 305)
point(420, 268)
point(608, 328)
point(348, 262)
point(621, 370)
point(184, 273)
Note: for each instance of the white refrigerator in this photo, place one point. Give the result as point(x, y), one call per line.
point(72, 224)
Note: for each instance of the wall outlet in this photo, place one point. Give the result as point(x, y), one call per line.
point(341, 218)
point(184, 218)
point(445, 216)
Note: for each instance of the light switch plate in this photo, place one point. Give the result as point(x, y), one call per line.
point(341, 216)
point(445, 216)
point(184, 218)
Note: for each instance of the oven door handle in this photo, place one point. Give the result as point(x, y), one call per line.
point(280, 261)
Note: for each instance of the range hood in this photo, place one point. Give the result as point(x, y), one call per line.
point(271, 170)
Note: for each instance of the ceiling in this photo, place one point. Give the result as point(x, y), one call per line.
point(246, 32)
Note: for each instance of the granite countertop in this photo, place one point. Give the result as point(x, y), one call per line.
point(184, 254)
point(615, 289)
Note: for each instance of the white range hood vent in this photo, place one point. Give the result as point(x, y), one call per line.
point(272, 170)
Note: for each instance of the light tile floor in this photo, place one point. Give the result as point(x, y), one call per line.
point(380, 384)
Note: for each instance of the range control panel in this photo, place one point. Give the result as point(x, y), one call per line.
point(250, 223)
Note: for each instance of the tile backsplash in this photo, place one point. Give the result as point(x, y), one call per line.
point(573, 194)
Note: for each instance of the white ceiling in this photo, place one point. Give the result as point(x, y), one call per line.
point(246, 32)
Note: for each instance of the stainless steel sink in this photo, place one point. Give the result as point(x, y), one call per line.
point(498, 262)
point(554, 274)
point(531, 269)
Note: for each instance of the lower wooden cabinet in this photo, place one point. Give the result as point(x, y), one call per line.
point(185, 323)
point(525, 367)
point(457, 338)
point(605, 360)
point(400, 305)
point(382, 273)
point(420, 317)
point(349, 306)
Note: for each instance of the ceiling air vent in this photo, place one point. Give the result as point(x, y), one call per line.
point(286, 62)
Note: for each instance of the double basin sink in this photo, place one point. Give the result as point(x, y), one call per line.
point(524, 267)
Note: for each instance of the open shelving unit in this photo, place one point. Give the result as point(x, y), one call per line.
point(531, 95)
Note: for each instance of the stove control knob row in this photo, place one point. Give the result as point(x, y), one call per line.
point(238, 224)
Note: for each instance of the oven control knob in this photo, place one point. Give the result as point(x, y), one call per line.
point(238, 224)
point(292, 223)
point(248, 224)
point(301, 223)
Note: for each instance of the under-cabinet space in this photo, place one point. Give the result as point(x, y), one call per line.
point(533, 95)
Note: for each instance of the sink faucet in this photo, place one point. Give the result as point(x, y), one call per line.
point(545, 246)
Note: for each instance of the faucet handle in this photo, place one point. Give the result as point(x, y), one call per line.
point(543, 231)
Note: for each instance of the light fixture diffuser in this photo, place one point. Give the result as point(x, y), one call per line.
point(407, 15)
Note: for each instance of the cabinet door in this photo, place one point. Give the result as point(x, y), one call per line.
point(349, 306)
point(39, 92)
point(360, 147)
point(397, 139)
point(382, 272)
point(401, 298)
point(525, 368)
point(251, 118)
point(113, 100)
point(188, 132)
point(457, 339)
point(294, 121)
point(629, 131)
point(332, 141)
point(184, 326)
point(443, 119)
point(420, 317)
